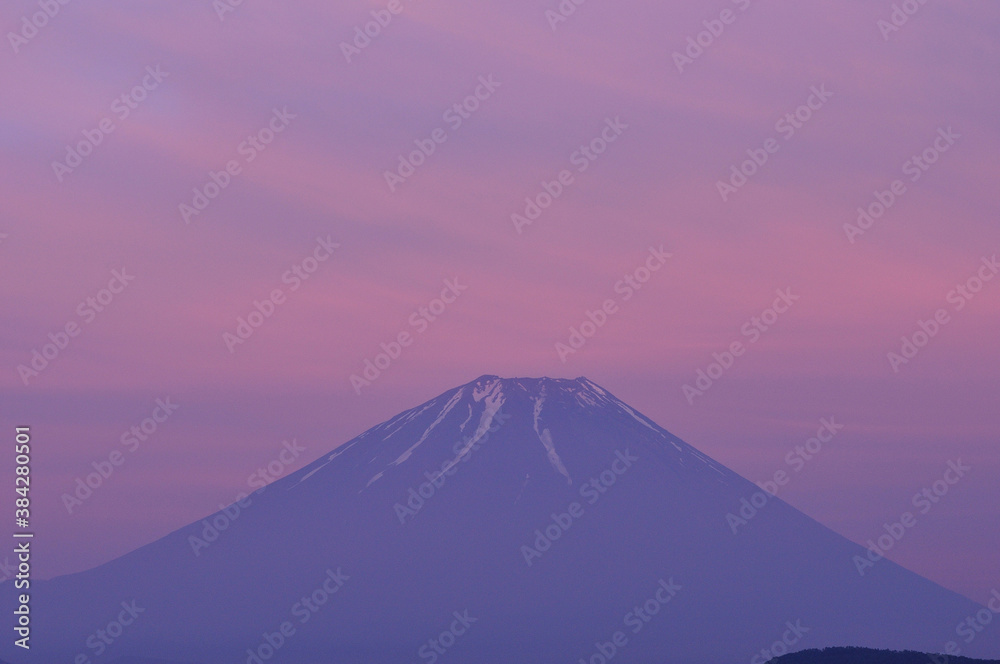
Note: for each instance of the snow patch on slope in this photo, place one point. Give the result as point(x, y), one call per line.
point(493, 400)
point(403, 418)
point(486, 389)
point(461, 427)
point(546, 437)
point(447, 408)
point(554, 459)
point(686, 450)
point(595, 387)
point(641, 420)
point(336, 453)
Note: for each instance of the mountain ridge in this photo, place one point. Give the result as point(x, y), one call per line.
point(611, 508)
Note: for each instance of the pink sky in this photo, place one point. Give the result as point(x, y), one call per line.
point(323, 176)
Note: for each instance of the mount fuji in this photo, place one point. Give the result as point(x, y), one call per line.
point(506, 520)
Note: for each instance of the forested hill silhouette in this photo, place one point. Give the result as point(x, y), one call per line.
point(873, 656)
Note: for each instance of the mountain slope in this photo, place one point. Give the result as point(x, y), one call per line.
point(562, 517)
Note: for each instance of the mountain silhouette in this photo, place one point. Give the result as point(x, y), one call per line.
point(507, 520)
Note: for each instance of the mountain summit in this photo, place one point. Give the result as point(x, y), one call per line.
point(507, 520)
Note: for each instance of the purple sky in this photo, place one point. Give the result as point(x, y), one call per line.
point(656, 184)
